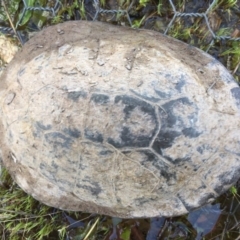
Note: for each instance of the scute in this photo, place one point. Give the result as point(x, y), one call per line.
point(178, 126)
point(116, 121)
point(139, 123)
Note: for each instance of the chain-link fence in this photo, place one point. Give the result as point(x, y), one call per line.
point(124, 8)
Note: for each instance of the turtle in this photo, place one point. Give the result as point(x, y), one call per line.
point(118, 121)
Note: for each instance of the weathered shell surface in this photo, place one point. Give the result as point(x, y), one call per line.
point(123, 122)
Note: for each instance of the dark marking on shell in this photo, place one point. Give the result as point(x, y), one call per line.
point(81, 165)
point(10, 136)
point(91, 186)
point(105, 152)
point(181, 83)
point(200, 149)
point(150, 99)
point(205, 148)
point(150, 157)
point(131, 103)
point(226, 179)
point(129, 139)
point(100, 98)
point(127, 135)
point(174, 124)
point(171, 120)
point(190, 132)
point(76, 95)
point(236, 94)
point(48, 171)
point(21, 72)
point(58, 139)
point(179, 161)
point(93, 135)
point(141, 201)
point(41, 126)
point(72, 132)
point(169, 176)
point(164, 140)
point(38, 57)
point(63, 184)
point(162, 94)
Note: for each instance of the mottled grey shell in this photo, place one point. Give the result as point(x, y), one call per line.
point(123, 122)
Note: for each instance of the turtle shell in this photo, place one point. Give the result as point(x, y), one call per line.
point(116, 121)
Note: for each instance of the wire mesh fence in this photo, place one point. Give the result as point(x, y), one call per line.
point(125, 9)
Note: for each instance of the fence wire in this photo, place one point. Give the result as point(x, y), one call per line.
point(58, 5)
